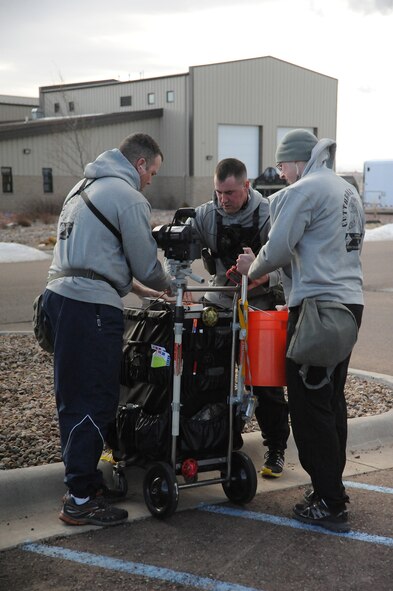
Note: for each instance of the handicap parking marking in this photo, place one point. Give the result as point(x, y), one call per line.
point(294, 524)
point(382, 489)
point(135, 568)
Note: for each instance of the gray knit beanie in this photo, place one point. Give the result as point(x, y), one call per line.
point(296, 146)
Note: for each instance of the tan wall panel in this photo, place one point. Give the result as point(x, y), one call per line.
point(106, 99)
point(263, 91)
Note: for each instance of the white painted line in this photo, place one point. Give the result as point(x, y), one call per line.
point(382, 489)
point(135, 568)
point(276, 520)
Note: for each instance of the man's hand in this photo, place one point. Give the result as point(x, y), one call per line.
point(244, 261)
point(171, 291)
point(143, 291)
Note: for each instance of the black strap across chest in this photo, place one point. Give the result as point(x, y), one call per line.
point(96, 211)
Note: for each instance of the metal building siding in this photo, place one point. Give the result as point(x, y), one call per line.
point(106, 99)
point(58, 151)
point(16, 108)
point(256, 92)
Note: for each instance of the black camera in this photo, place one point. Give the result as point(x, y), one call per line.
point(178, 239)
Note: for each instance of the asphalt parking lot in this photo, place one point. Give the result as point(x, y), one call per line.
point(221, 547)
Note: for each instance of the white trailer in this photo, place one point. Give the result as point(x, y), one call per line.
point(378, 183)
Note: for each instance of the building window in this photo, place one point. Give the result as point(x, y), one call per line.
point(57, 107)
point(170, 96)
point(6, 177)
point(71, 106)
point(125, 101)
point(151, 98)
point(47, 178)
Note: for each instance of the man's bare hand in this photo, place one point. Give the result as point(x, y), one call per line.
point(244, 261)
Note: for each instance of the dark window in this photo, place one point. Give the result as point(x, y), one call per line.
point(151, 98)
point(71, 106)
point(6, 177)
point(125, 101)
point(170, 96)
point(47, 178)
point(57, 107)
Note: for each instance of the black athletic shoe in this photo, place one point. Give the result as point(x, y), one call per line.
point(318, 513)
point(310, 497)
point(93, 512)
point(274, 463)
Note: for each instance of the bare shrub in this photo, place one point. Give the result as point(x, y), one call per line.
point(44, 210)
point(23, 220)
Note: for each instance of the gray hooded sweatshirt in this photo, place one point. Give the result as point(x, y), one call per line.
point(205, 224)
point(84, 242)
point(316, 235)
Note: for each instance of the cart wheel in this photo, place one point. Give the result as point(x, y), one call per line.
point(242, 486)
point(160, 490)
point(114, 479)
point(120, 482)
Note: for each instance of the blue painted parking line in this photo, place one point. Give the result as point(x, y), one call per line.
point(284, 521)
point(135, 568)
point(382, 489)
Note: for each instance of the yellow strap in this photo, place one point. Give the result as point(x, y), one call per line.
point(243, 323)
point(243, 317)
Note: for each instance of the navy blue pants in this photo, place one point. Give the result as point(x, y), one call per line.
point(87, 358)
point(319, 422)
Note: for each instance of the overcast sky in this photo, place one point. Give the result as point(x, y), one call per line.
point(50, 42)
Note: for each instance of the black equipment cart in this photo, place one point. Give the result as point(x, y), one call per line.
point(182, 405)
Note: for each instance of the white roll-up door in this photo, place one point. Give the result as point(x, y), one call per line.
point(242, 142)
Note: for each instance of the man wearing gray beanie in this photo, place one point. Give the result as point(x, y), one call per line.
point(316, 236)
point(296, 146)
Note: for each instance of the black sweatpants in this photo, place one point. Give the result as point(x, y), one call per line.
point(319, 422)
point(272, 416)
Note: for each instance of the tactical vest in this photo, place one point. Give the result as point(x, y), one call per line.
point(231, 239)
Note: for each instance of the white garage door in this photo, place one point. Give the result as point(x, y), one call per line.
point(242, 142)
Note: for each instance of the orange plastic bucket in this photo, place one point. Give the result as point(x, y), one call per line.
point(267, 333)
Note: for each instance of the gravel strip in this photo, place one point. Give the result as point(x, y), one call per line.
point(29, 430)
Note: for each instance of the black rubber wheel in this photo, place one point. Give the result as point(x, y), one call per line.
point(242, 486)
point(160, 490)
point(114, 480)
point(120, 482)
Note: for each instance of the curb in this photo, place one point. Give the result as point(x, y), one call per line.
point(21, 487)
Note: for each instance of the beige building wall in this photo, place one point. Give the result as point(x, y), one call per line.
point(16, 108)
point(105, 98)
point(59, 152)
point(265, 92)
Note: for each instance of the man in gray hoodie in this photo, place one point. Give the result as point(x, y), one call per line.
point(316, 239)
point(238, 216)
point(94, 264)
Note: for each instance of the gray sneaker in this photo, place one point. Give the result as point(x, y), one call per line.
point(93, 512)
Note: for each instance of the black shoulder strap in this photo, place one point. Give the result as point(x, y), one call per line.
point(96, 211)
point(101, 217)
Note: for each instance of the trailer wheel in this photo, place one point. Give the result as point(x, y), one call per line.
point(242, 486)
point(160, 490)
